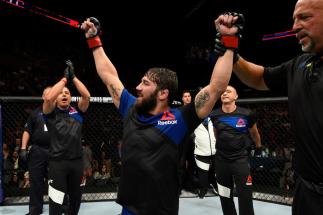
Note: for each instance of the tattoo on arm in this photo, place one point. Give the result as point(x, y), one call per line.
point(114, 90)
point(201, 100)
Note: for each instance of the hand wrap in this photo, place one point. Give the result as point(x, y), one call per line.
point(224, 42)
point(94, 40)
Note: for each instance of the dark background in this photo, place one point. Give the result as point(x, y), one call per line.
point(137, 35)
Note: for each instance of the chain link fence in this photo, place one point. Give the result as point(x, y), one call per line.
point(102, 131)
point(271, 168)
point(101, 134)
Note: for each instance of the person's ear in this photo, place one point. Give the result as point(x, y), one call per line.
point(163, 94)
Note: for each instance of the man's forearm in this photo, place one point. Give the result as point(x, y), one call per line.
point(250, 74)
point(25, 140)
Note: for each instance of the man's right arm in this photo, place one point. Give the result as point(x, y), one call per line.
point(24, 140)
point(28, 130)
point(104, 66)
point(250, 74)
point(49, 103)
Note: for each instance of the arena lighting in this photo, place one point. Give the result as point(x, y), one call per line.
point(278, 35)
point(42, 12)
point(76, 24)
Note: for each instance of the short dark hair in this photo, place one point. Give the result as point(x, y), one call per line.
point(165, 79)
point(186, 91)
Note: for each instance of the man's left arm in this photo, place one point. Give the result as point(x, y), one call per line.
point(228, 25)
point(84, 102)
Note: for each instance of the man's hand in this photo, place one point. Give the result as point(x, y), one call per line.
point(229, 27)
point(229, 23)
point(92, 27)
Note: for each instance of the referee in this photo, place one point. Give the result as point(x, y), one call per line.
point(36, 133)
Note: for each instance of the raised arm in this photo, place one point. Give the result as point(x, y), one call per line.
point(104, 66)
point(205, 100)
point(84, 102)
point(49, 103)
point(250, 74)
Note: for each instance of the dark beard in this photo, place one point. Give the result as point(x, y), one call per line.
point(146, 105)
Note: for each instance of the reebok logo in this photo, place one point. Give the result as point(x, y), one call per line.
point(241, 123)
point(249, 180)
point(167, 122)
point(167, 116)
point(167, 119)
point(72, 111)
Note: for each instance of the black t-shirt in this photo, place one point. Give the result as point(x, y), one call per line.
point(302, 77)
point(65, 129)
point(232, 133)
point(149, 171)
point(37, 128)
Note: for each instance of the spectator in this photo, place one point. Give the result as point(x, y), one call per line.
point(36, 138)
point(87, 160)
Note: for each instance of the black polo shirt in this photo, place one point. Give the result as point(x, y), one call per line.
point(232, 133)
point(303, 79)
point(65, 129)
point(37, 129)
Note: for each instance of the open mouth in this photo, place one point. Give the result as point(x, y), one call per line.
point(64, 100)
point(301, 36)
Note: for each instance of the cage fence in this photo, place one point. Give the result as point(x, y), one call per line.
point(272, 173)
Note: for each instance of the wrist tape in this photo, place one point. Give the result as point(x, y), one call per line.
point(94, 42)
point(230, 41)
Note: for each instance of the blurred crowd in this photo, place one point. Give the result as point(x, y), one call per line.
point(101, 163)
